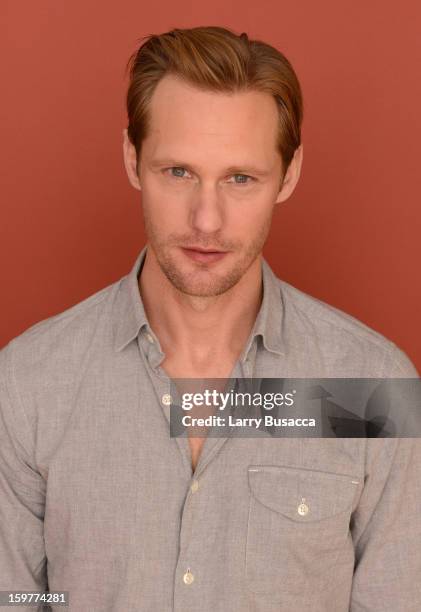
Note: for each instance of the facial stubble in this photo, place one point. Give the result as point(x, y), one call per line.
point(203, 282)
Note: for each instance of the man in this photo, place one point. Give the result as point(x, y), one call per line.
point(96, 498)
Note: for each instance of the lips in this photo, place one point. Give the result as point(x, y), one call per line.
point(204, 255)
point(202, 250)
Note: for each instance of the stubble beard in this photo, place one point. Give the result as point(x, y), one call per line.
point(204, 282)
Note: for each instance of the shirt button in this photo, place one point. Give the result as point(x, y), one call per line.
point(149, 337)
point(194, 486)
point(303, 509)
point(188, 577)
point(166, 399)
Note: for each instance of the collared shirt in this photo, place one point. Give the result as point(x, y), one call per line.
point(98, 500)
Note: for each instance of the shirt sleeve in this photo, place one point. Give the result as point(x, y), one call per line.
point(386, 527)
point(22, 494)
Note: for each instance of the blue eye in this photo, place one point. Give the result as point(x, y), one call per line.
point(177, 171)
point(243, 179)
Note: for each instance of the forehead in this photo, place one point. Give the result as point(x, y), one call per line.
point(186, 118)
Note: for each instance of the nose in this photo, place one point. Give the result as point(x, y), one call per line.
point(207, 211)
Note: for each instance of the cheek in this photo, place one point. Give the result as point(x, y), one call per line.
point(162, 206)
point(250, 215)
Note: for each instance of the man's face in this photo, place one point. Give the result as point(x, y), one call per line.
point(210, 175)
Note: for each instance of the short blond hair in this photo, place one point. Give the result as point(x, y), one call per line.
point(214, 59)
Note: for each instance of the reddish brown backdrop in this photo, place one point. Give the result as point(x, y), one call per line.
point(71, 224)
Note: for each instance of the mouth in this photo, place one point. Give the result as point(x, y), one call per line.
point(204, 255)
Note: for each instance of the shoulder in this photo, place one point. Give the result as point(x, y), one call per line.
point(50, 350)
point(340, 340)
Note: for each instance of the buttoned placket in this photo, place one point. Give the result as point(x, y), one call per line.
point(188, 572)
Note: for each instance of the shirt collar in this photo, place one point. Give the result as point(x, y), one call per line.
point(130, 316)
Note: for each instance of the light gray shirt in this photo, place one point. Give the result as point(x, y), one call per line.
point(97, 499)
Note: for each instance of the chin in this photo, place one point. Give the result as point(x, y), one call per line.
point(196, 280)
point(202, 283)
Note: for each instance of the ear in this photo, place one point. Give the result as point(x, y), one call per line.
point(292, 175)
point(130, 162)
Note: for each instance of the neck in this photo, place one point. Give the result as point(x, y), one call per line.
point(197, 328)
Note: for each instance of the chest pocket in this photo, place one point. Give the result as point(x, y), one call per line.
point(298, 528)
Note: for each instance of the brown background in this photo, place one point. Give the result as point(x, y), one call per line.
point(70, 223)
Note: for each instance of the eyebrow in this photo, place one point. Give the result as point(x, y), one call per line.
point(246, 169)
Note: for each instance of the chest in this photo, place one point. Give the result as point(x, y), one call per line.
point(219, 371)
